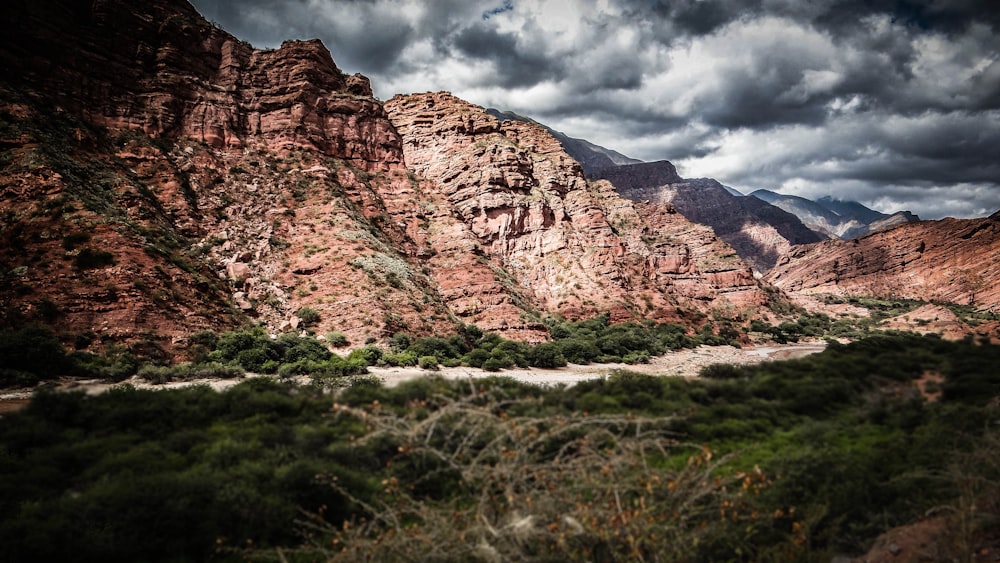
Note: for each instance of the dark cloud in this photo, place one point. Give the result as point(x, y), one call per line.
point(514, 66)
point(892, 101)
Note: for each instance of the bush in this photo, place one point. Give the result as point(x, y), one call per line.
point(476, 358)
point(370, 355)
point(636, 358)
point(428, 362)
point(579, 351)
point(308, 316)
point(88, 259)
point(493, 364)
point(404, 359)
point(546, 355)
point(337, 339)
point(30, 354)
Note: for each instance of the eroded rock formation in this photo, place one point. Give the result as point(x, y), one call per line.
point(574, 247)
point(951, 260)
point(161, 177)
point(757, 230)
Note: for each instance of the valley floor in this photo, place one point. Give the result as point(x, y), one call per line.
point(682, 363)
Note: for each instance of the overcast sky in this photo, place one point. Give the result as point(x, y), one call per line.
point(895, 103)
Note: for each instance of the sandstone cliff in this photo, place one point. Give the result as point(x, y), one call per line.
point(951, 260)
point(213, 181)
point(572, 246)
point(757, 230)
point(161, 177)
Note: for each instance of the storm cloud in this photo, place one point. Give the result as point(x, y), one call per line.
point(895, 103)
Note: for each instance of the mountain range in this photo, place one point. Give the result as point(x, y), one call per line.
point(162, 177)
point(760, 226)
point(833, 217)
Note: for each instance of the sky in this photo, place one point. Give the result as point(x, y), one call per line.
point(893, 103)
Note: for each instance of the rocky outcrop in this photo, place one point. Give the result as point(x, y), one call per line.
point(163, 70)
point(757, 230)
point(214, 182)
point(590, 156)
point(573, 247)
point(951, 260)
point(161, 177)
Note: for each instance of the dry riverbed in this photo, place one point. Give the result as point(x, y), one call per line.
point(683, 363)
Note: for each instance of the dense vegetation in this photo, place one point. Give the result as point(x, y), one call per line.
point(36, 355)
point(791, 460)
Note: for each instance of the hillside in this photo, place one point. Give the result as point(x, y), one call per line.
point(759, 232)
point(951, 260)
point(162, 177)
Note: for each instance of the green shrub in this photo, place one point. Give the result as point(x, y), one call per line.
point(475, 358)
point(30, 354)
point(293, 348)
point(404, 359)
point(578, 351)
point(428, 362)
point(337, 339)
point(546, 355)
point(369, 355)
point(308, 316)
point(438, 347)
point(636, 358)
point(492, 364)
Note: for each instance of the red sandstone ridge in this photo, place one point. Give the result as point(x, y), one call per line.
point(160, 68)
point(213, 181)
point(951, 260)
point(571, 246)
point(161, 177)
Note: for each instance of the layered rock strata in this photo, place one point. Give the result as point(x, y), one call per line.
point(951, 260)
point(161, 177)
point(757, 230)
point(574, 247)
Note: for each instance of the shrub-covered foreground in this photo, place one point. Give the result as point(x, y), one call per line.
point(793, 460)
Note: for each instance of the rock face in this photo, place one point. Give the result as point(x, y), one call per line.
point(951, 260)
point(161, 177)
point(163, 70)
point(757, 230)
point(214, 182)
point(570, 246)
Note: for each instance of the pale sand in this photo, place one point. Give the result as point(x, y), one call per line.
point(683, 363)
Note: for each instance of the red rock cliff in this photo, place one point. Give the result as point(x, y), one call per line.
point(574, 247)
point(161, 177)
point(951, 260)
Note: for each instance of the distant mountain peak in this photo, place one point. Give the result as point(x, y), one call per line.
point(845, 219)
